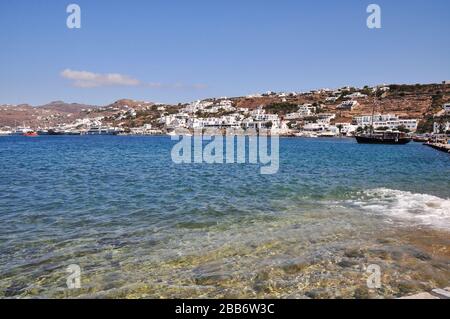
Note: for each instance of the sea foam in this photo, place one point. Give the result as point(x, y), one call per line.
point(418, 208)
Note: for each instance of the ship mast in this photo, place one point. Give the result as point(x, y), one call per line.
point(373, 114)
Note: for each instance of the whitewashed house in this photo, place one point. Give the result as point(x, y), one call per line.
point(446, 108)
point(390, 121)
point(325, 117)
point(346, 128)
point(331, 99)
point(356, 95)
point(441, 128)
point(347, 105)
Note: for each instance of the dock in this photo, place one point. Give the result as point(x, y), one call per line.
point(440, 147)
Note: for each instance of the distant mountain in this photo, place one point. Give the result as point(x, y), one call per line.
point(61, 106)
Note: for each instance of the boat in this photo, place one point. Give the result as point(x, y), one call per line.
point(421, 138)
point(326, 134)
point(386, 137)
point(30, 134)
point(55, 132)
point(20, 131)
point(306, 134)
point(42, 132)
point(101, 130)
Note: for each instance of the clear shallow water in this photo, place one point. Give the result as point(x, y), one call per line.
point(140, 226)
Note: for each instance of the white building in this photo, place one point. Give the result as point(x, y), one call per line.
point(346, 128)
point(347, 105)
point(325, 117)
point(257, 112)
point(226, 104)
point(302, 112)
point(447, 108)
point(441, 128)
point(197, 106)
point(293, 116)
point(356, 95)
point(331, 99)
point(364, 120)
point(306, 109)
point(386, 120)
point(316, 127)
point(251, 96)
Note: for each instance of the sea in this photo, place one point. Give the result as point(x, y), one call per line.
point(115, 217)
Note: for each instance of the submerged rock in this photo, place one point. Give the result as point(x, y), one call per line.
point(354, 253)
point(295, 266)
point(211, 279)
point(347, 263)
point(15, 289)
point(361, 293)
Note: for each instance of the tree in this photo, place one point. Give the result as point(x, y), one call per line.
point(403, 129)
point(340, 127)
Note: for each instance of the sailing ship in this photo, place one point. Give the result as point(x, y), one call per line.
point(382, 137)
point(386, 137)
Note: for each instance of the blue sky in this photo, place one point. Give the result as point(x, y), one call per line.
point(178, 51)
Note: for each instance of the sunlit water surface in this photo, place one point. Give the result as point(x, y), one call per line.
point(140, 226)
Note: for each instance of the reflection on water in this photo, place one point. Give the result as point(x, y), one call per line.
point(141, 227)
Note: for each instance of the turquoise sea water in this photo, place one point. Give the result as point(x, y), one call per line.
point(140, 226)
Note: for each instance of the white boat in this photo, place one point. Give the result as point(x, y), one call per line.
point(21, 131)
point(327, 134)
point(5, 133)
point(174, 133)
point(306, 134)
point(102, 130)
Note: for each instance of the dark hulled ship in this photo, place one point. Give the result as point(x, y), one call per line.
point(388, 137)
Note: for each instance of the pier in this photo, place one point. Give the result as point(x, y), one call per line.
point(440, 147)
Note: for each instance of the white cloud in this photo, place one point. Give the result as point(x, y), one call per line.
point(85, 79)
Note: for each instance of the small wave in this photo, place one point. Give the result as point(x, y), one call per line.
point(422, 209)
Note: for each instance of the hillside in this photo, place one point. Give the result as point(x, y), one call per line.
point(418, 101)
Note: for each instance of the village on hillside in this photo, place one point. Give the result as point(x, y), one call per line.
point(318, 113)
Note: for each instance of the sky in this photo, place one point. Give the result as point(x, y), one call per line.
point(172, 51)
